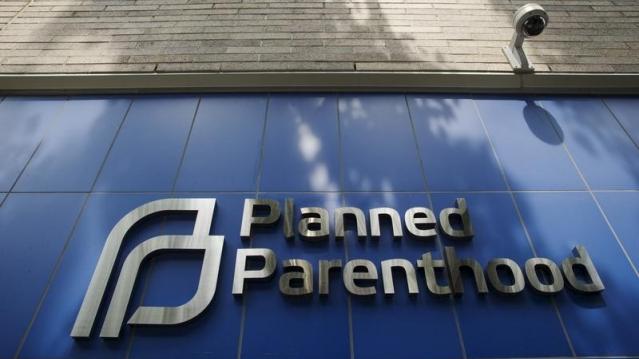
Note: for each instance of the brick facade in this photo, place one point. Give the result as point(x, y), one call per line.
point(94, 36)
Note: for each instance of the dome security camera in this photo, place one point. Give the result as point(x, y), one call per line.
point(530, 20)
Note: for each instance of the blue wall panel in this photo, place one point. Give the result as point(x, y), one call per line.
point(605, 154)
point(29, 254)
point(75, 146)
point(301, 144)
point(148, 150)
point(453, 145)
point(622, 210)
point(23, 123)
point(224, 125)
point(378, 145)
point(528, 145)
point(496, 325)
point(383, 324)
point(625, 111)
point(326, 150)
point(597, 324)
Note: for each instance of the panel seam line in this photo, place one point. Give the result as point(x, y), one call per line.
point(522, 222)
point(594, 198)
point(438, 241)
point(240, 341)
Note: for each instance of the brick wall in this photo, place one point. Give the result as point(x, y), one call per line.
point(89, 36)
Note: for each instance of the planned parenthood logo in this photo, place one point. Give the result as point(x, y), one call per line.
point(360, 276)
point(200, 241)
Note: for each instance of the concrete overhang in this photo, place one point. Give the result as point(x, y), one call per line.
point(440, 82)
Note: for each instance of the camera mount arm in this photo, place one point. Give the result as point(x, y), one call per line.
point(529, 20)
point(516, 56)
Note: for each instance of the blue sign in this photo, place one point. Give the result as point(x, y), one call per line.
point(538, 176)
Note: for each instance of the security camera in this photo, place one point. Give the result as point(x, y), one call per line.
point(530, 20)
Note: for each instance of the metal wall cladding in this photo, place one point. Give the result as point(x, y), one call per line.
point(540, 175)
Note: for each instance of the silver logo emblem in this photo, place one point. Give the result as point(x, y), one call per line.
point(199, 241)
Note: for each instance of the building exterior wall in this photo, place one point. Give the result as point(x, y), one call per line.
point(540, 176)
point(149, 36)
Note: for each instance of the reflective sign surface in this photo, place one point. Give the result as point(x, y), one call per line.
point(540, 176)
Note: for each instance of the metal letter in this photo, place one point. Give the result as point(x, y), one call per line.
point(360, 220)
point(454, 265)
point(557, 281)
point(429, 264)
point(200, 240)
point(462, 212)
point(241, 273)
point(320, 217)
point(582, 258)
point(412, 222)
point(350, 276)
point(375, 213)
point(493, 276)
point(306, 275)
point(248, 219)
point(387, 275)
point(162, 315)
point(324, 269)
point(288, 218)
